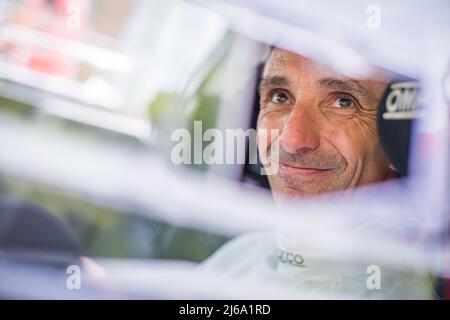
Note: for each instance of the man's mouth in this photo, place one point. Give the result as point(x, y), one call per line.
point(302, 170)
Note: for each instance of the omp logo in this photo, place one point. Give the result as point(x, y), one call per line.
point(401, 102)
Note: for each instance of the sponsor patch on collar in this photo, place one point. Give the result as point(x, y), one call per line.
point(291, 258)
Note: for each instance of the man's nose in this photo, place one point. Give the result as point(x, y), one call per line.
point(300, 131)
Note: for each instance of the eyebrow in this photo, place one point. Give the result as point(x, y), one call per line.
point(337, 84)
point(352, 86)
point(273, 81)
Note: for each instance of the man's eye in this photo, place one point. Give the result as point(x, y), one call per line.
point(343, 102)
point(279, 97)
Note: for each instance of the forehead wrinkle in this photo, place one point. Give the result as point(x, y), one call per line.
point(275, 80)
point(286, 69)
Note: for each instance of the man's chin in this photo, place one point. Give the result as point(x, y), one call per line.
point(287, 194)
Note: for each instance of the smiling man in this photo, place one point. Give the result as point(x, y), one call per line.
point(327, 141)
point(327, 127)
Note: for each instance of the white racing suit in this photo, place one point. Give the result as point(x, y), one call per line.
point(263, 257)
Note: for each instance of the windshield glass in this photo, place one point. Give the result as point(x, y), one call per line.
point(253, 140)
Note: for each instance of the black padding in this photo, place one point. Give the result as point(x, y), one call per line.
point(397, 112)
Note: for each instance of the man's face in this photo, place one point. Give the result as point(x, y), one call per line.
point(327, 127)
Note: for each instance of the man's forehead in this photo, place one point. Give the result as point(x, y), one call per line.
point(284, 63)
